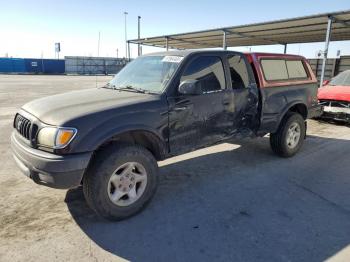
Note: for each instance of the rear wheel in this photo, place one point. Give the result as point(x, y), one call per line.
point(290, 135)
point(121, 181)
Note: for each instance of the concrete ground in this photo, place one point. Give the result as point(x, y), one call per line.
point(231, 202)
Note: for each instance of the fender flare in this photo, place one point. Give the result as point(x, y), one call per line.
point(110, 134)
point(287, 108)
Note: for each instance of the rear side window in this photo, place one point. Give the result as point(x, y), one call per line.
point(274, 69)
point(208, 70)
point(281, 69)
point(238, 72)
point(296, 69)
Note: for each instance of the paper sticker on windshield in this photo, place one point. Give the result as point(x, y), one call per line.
point(172, 59)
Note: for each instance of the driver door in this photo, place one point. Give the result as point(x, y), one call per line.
point(202, 119)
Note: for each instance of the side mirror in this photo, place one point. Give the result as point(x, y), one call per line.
point(190, 87)
point(325, 82)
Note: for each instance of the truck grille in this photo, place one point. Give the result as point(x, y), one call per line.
point(334, 103)
point(23, 126)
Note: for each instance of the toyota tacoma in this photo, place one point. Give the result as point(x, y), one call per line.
point(109, 139)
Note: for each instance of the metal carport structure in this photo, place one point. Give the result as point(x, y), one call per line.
point(308, 29)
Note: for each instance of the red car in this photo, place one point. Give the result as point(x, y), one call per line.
point(334, 96)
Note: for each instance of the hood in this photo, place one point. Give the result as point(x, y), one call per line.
point(341, 93)
point(62, 108)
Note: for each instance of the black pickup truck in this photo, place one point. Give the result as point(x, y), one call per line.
point(109, 139)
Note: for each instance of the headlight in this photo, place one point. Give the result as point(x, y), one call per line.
point(56, 137)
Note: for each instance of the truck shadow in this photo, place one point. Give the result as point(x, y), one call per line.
point(333, 122)
point(236, 202)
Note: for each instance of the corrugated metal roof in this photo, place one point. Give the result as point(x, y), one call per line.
point(288, 31)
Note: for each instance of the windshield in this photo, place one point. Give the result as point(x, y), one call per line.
point(343, 79)
point(147, 73)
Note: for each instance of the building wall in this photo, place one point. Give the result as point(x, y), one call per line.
point(44, 66)
point(93, 65)
point(334, 66)
point(70, 65)
point(31, 66)
point(12, 65)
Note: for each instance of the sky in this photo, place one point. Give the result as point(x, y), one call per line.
point(30, 28)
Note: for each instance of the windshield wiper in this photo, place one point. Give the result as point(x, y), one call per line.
point(128, 88)
point(131, 88)
point(110, 86)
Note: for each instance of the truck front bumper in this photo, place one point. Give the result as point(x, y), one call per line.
point(336, 113)
point(57, 171)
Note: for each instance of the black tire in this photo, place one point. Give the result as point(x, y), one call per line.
point(278, 140)
point(96, 180)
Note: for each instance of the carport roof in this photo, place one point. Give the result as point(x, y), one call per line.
point(305, 29)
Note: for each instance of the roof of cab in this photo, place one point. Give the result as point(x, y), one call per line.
point(184, 52)
point(192, 51)
point(260, 54)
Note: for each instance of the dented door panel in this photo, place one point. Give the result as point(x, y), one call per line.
point(245, 101)
point(196, 121)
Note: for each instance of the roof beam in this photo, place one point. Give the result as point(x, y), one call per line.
point(345, 23)
point(295, 30)
point(152, 45)
point(256, 37)
point(284, 34)
point(190, 42)
point(247, 35)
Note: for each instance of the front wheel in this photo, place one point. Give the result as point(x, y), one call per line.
point(121, 181)
point(290, 135)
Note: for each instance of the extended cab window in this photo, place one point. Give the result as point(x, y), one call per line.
point(274, 69)
point(208, 70)
point(296, 69)
point(281, 69)
point(238, 71)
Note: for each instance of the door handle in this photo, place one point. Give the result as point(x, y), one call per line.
point(180, 108)
point(226, 102)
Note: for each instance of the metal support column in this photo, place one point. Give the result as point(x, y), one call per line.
point(128, 51)
point(138, 34)
point(285, 48)
point(224, 44)
point(325, 52)
point(167, 43)
point(126, 35)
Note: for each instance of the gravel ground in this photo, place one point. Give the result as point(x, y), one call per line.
point(231, 202)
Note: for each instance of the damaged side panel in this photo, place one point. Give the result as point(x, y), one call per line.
point(197, 121)
point(204, 119)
